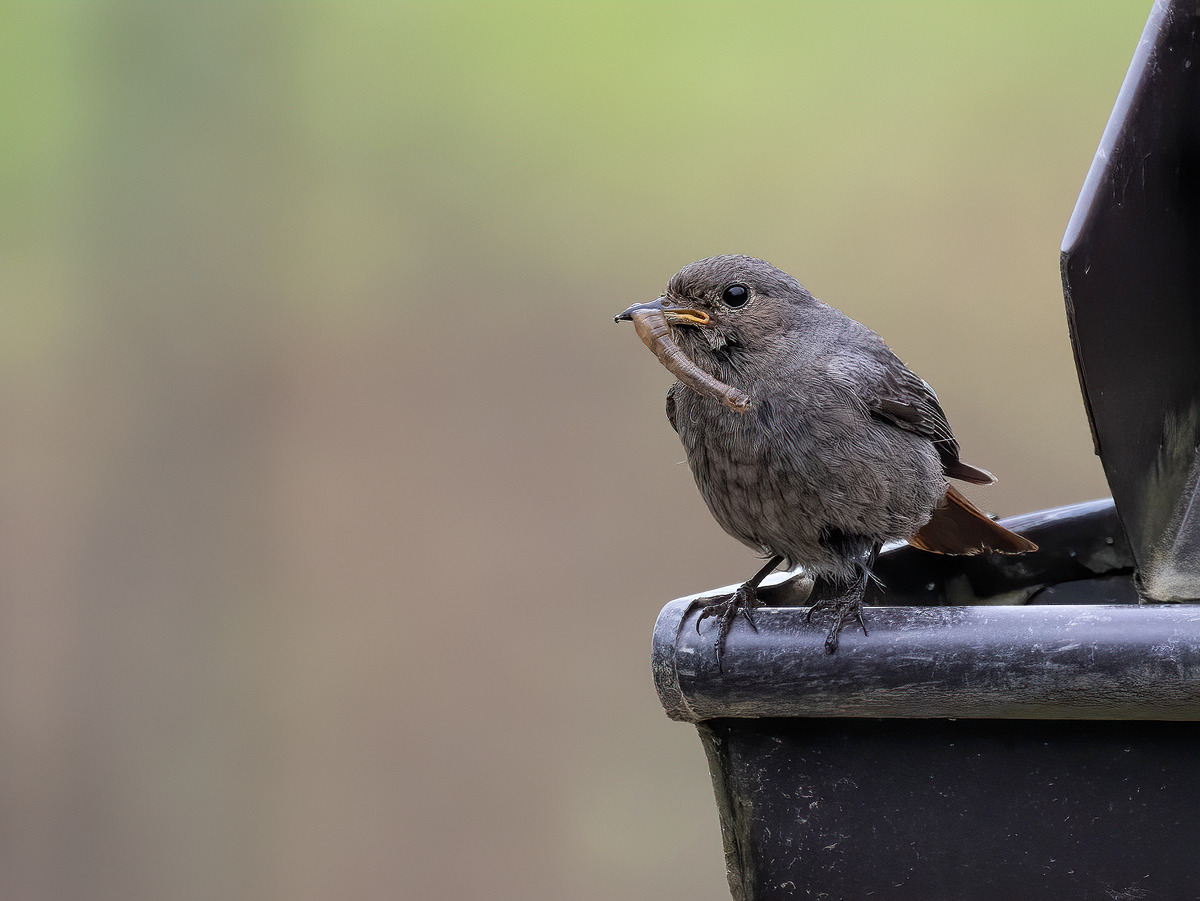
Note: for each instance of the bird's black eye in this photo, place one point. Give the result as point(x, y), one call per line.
point(735, 295)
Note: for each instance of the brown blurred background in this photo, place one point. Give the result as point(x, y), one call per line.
point(336, 511)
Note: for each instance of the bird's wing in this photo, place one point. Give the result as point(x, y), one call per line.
point(895, 395)
point(671, 408)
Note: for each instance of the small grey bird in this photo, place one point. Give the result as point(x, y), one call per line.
point(809, 440)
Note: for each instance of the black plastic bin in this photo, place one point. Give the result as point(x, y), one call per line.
point(1041, 751)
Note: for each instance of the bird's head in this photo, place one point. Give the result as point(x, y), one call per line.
point(723, 305)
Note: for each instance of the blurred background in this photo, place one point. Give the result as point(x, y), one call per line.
point(335, 511)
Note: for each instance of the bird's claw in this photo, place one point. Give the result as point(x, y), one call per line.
point(844, 609)
point(743, 601)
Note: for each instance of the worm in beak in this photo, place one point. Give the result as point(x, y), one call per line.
point(652, 321)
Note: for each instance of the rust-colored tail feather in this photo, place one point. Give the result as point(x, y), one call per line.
point(959, 527)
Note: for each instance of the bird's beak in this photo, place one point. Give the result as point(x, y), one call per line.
point(673, 315)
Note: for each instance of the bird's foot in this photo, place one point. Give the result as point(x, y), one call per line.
point(743, 601)
point(845, 608)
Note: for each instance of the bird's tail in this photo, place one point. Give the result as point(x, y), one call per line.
point(959, 527)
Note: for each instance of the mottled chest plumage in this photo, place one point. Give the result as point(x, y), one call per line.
point(795, 469)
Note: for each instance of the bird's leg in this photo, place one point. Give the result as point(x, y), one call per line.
point(745, 599)
point(845, 602)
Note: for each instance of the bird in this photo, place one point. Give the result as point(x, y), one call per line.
point(809, 440)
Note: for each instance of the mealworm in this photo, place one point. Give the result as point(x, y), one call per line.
point(651, 326)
